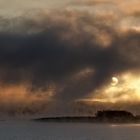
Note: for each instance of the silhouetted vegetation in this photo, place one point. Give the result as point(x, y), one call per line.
point(105, 116)
point(114, 116)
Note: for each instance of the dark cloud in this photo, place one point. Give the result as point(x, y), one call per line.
point(57, 48)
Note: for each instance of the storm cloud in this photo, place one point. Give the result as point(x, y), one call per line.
point(75, 51)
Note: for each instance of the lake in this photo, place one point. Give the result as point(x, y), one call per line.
point(30, 130)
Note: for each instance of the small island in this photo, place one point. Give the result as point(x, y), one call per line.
point(105, 116)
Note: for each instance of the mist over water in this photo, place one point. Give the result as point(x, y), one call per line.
point(29, 130)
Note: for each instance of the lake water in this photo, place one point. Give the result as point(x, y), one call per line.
point(30, 130)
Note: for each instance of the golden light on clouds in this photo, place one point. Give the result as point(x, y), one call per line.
point(20, 94)
point(130, 24)
point(124, 89)
point(129, 6)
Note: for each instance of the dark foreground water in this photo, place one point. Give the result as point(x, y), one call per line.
point(29, 130)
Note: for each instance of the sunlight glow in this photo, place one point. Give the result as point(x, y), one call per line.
point(126, 89)
point(114, 81)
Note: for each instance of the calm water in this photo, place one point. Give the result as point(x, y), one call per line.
point(26, 130)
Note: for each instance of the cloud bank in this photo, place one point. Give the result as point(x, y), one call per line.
point(62, 56)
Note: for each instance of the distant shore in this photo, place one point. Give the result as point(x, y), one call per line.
point(107, 116)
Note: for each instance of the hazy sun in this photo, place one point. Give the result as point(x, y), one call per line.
point(126, 88)
point(114, 81)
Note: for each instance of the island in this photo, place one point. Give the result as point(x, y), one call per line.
point(105, 116)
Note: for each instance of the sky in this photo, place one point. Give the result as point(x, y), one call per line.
point(16, 7)
point(69, 57)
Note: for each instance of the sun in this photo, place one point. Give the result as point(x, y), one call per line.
point(114, 81)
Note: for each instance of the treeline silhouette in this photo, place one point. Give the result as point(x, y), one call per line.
point(105, 116)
